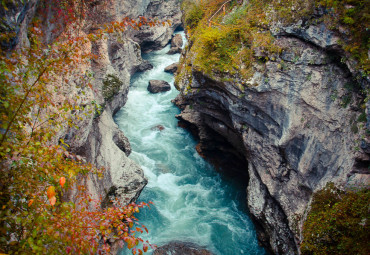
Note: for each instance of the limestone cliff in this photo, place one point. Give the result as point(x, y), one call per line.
point(296, 122)
point(97, 137)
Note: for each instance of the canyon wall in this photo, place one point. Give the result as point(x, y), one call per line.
point(298, 122)
point(97, 138)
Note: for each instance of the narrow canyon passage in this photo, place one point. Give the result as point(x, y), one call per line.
point(192, 202)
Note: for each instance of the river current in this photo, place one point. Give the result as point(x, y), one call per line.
point(192, 202)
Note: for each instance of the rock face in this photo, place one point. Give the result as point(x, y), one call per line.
point(295, 124)
point(153, 38)
point(171, 68)
point(156, 86)
point(98, 138)
point(181, 248)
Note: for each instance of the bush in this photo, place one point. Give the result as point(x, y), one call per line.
point(193, 14)
point(111, 86)
point(337, 222)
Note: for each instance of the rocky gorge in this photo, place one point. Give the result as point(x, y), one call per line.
point(298, 120)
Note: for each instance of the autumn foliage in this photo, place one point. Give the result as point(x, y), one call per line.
point(37, 169)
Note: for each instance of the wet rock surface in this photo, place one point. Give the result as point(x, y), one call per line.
point(174, 50)
point(171, 68)
point(156, 86)
point(181, 248)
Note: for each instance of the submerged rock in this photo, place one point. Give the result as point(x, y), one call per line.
point(181, 248)
point(156, 86)
point(171, 68)
point(158, 127)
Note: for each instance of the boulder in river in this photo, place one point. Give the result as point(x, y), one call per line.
point(174, 50)
point(156, 86)
point(171, 68)
point(176, 41)
point(181, 248)
point(145, 66)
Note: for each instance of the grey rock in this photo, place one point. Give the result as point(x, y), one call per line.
point(154, 38)
point(171, 68)
point(122, 142)
point(156, 86)
point(176, 41)
point(173, 51)
point(145, 66)
point(181, 248)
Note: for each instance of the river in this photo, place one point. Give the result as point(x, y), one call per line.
point(192, 202)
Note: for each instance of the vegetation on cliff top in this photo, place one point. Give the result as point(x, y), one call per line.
point(37, 170)
point(338, 222)
point(228, 41)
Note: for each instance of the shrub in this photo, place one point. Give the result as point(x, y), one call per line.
point(111, 86)
point(194, 13)
point(337, 222)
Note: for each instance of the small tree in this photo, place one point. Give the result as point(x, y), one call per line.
point(36, 167)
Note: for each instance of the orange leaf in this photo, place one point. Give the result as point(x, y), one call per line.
point(52, 200)
point(50, 192)
point(30, 202)
point(145, 247)
point(62, 180)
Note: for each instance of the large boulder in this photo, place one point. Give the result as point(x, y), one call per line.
point(176, 44)
point(180, 248)
point(156, 86)
point(171, 68)
point(176, 41)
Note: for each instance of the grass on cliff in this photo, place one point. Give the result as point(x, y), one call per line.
point(229, 43)
point(338, 222)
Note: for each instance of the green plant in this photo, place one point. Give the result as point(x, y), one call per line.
point(111, 86)
point(337, 222)
point(193, 14)
point(362, 117)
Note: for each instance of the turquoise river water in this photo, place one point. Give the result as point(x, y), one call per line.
point(192, 202)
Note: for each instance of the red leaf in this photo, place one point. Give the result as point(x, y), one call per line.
point(62, 180)
point(145, 247)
